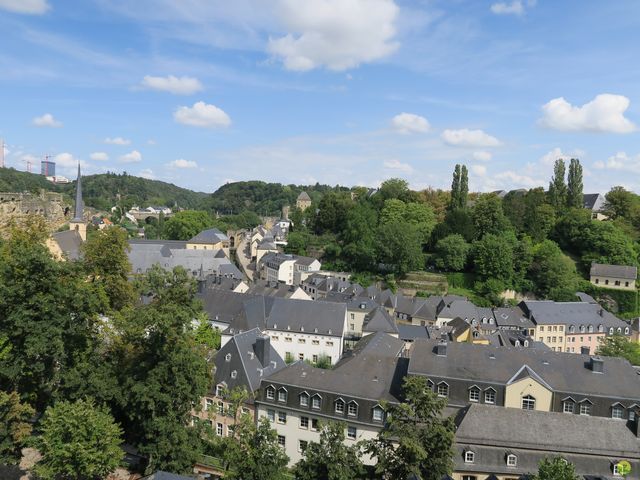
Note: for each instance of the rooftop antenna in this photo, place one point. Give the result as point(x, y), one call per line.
point(1, 153)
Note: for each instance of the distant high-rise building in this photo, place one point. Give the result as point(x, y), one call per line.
point(48, 168)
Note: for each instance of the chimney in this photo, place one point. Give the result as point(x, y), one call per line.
point(584, 350)
point(441, 348)
point(597, 365)
point(262, 347)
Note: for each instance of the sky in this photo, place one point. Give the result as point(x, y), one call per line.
point(352, 92)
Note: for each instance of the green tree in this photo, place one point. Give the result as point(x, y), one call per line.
point(603, 242)
point(187, 224)
point(558, 187)
point(332, 212)
point(541, 221)
point(395, 188)
point(574, 185)
point(619, 203)
point(493, 257)
point(556, 468)
point(459, 188)
point(79, 441)
point(330, 458)
point(553, 273)
point(620, 346)
point(488, 216)
point(296, 243)
point(398, 247)
point(419, 215)
point(206, 335)
point(417, 439)
point(451, 253)
point(255, 454)
point(107, 265)
point(15, 426)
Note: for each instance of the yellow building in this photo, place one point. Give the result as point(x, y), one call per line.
point(303, 201)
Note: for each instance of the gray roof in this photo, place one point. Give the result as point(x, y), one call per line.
point(69, 242)
point(460, 308)
point(212, 235)
point(547, 312)
point(271, 289)
point(159, 475)
point(409, 333)
point(242, 359)
point(551, 431)
point(563, 372)
point(222, 305)
point(615, 271)
point(304, 196)
point(380, 321)
point(512, 317)
point(370, 371)
point(593, 201)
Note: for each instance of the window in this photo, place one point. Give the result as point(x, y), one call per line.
point(443, 390)
point(219, 429)
point(302, 340)
point(528, 403)
point(281, 441)
point(352, 326)
point(282, 417)
point(302, 445)
point(315, 402)
point(606, 282)
point(616, 469)
point(275, 338)
point(585, 408)
point(512, 460)
point(329, 344)
point(474, 395)
point(301, 356)
point(597, 281)
point(617, 282)
point(632, 414)
point(219, 390)
point(220, 408)
point(590, 329)
point(568, 406)
point(287, 339)
point(469, 477)
point(490, 396)
point(340, 407)
point(469, 456)
point(282, 395)
point(271, 393)
point(209, 404)
point(626, 284)
point(271, 415)
point(304, 422)
point(315, 342)
point(227, 357)
point(314, 424)
point(234, 374)
point(352, 409)
point(378, 414)
point(617, 412)
point(329, 360)
point(315, 359)
point(352, 433)
point(304, 400)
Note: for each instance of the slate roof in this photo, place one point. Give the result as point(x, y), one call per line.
point(304, 196)
point(460, 308)
point(374, 371)
point(245, 362)
point(271, 289)
point(222, 305)
point(380, 321)
point(212, 235)
point(167, 476)
point(512, 317)
point(551, 431)
point(547, 312)
point(615, 271)
point(593, 201)
point(409, 333)
point(69, 242)
point(564, 372)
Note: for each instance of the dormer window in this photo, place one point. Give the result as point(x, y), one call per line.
point(474, 394)
point(490, 396)
point(443, 389)
point(282, 395)
point(572, 329)
point(315, 402)
point(469, 456)
point(270, 392)
point(617, 412)
point(528, 402)
point(378, 414)
point(339, 406)
point(234, 374)
point(304, 399)
point(626, 330)
point(352, 409)
point(512, 460)
point(590, 328)
point(600, 328)
point(219, 390)
point(568, 406)
point(227, 357)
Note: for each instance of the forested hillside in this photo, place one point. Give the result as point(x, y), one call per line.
point(12, 180)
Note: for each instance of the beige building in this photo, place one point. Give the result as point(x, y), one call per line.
point(303, 201)
point(212, 239)
point(613, 276)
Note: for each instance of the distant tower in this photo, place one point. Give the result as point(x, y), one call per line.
point(77, 223)
point(47, 167)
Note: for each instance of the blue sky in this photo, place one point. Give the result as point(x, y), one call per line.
point(201, 92)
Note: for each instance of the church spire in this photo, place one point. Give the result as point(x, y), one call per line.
point(78, 217)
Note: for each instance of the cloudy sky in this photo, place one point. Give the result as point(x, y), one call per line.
point(202, 92)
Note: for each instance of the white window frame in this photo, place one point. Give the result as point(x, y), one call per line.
point(355, 408)
point(469, 456)
point(585, 408)
point(282, 418)
point(304, 419)
point(350, 435)
point(491, 392)
point(617, 408)
point(282, 391)
point(512, 460)
point(317, 398)
point(270, 392)
point(528, 400)
point(339, 411)
point(474, 394)
point(568, 403)
point(305, 402)
point(446, 387)
point(377, 414)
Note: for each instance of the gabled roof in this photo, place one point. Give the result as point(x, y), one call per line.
point(593, 201)
point(69, 242)
point(380, 321)
point(547, 312)
point(304, 196)
point(615, 271)
point(212, 235)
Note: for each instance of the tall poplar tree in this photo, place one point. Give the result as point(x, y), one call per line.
point(574, 185)
point(464, 187)
point(455, 188)
point(557, 186)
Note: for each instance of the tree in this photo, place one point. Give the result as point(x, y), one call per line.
point(187, 224)
point(419, 215)
point(553, 273)
point(107, 265)
point(619, 346)
point(330, 458)
point(398, 247)
point(556, 468)
point(557, 187)
point(488, 216)
point(459, 188)
point(619, 203)
point(332, 212)
point(296, 243)
point(206, 335)
point(541, 221)
point(417, 438)
point(255, 454)
point(395, 188)
point(15, 426)
point(493, 257)
point(574, 185)
point(603, 242)
point(358, 237)
point(80, 441)
point(451, 253)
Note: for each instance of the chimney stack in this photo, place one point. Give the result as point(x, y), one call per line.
point(262, 347)
point(441, 348)
point(597, 365)
point(584, 350)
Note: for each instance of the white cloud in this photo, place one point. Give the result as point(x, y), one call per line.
point(510, 179)
point(99, 156)
point(395, 164)
point(469, 138)
point(172, 84)
point(30, 7)
point(479, 170)
point(182, 163)
point(550, 158)
point(410, 123)
point(117, 141)
point(132, 157)
point(621, 162)
point(47, 120)
point(147, 173)
point(515, 7)
point(605, 113)
point(202, 115)
point(68, 161)
point(336, 34)
point(482, 156)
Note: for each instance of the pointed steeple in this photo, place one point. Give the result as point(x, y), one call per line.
point(78, 217)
